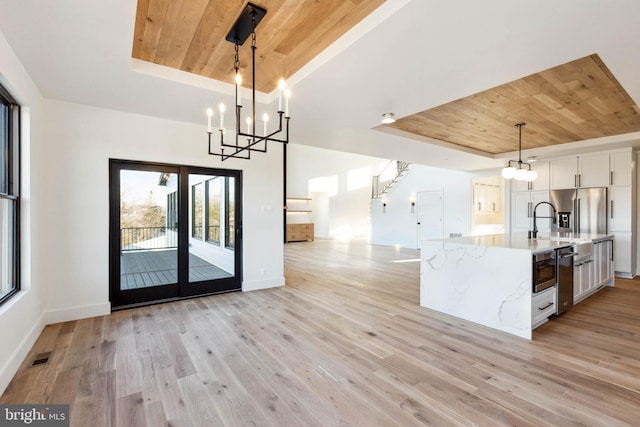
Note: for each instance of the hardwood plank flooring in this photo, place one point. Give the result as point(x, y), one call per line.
point(344, 343)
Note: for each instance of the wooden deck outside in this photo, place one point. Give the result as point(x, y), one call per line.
point(141, 269)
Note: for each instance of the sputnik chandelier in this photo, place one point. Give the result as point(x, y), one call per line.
point(249, 141)
point(519, 173)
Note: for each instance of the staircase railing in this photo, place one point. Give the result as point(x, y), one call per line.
point(381, 184)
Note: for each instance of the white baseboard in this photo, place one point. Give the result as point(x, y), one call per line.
point(19, 354)
point(625, 275)
point(76, 313)
point(255, 285)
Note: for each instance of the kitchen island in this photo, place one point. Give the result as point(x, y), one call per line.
point(487, 279)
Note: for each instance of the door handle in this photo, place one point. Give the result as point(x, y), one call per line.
point(546, 306)
point(611, 209)
point(239, 233)
point(611, 178)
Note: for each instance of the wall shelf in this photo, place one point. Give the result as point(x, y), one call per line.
point(298, 231)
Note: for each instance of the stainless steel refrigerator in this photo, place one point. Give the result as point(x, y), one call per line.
point(582, 210)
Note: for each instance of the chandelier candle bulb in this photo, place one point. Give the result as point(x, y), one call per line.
point(248, 124)
point(222, 108)
point(238, 89)
point(265, 119)
point(209, 115)
point(281, 85)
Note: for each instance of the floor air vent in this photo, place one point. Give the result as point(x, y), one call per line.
point(41, 359)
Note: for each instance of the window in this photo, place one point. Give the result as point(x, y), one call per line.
point(230, 212)
point(213, 211)
point(196, 211)
point(9, 195)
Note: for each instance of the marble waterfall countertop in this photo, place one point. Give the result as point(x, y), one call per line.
point(543, 243)
point(487, 279)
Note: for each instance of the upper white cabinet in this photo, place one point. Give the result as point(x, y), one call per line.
point(541, 182)
point(620, 168)
point(588, 170)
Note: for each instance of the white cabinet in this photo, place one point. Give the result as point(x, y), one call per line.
point(622, 254)
point(620, 208)
point(583, 279)
point(523, 203)
point(593, 170)
point(584, 171)
point(620, 165)
point(486, 197)
point(602, 262)
point(543, 305)
point(562, 173)
point(541, 182)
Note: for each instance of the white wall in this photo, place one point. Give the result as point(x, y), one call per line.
point(20, 317)
point(85, 138)
point(340, 185)
point(398, 226)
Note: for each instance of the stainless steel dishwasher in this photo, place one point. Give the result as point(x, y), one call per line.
point(564, 258)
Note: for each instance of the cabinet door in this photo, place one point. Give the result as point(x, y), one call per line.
point(608, 274)
point(577, 282)
point(542, 182)
point(593, 170)
point(619, 209)
point(521, 211)
point(622, 253)
point(620, 165)
point(544, 224)
point(562, 173)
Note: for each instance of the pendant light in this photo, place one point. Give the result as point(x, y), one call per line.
point(519, 172)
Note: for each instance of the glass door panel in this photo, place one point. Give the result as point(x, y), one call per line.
point(210, 258)
point(148, 241)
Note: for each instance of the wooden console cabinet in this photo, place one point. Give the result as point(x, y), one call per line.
point(300, 232)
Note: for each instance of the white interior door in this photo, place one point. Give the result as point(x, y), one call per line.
point(430, 215)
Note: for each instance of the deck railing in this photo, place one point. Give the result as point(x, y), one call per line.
point(145, 238)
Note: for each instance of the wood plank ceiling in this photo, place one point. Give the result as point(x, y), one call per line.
point(190, 35)
point(575, 101)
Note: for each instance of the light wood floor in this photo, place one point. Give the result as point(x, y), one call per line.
point(344, 344)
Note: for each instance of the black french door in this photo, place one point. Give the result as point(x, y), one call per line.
point(175, 232)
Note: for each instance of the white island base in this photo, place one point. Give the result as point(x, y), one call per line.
point(486, 285)
point(488, 279)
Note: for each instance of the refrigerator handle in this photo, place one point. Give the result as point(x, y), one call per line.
point(578, 213)
point(611, 178)
point(575, 180)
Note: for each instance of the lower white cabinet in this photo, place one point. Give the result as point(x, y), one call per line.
point(602, 262)
point(543, 305)
point(583, 282)
point(622, 254)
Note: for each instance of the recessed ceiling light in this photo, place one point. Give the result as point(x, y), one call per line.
point(387, 118)
point(532, 159)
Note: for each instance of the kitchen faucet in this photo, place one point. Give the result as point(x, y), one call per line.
point(533, 234)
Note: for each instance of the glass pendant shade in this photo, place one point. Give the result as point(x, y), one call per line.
point(508, 172)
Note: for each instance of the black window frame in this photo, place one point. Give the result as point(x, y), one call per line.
point(11, 170)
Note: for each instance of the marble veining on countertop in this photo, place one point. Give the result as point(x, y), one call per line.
point(544, 241)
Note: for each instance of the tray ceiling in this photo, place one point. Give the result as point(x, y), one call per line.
point(575, 101)
point(189, 35)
